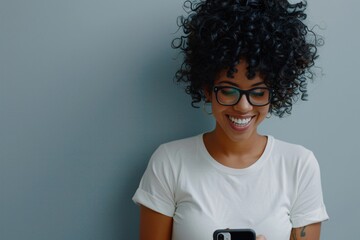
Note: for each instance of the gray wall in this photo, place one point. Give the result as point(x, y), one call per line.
point(86, 94)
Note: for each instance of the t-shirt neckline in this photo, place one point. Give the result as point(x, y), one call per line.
point(235, 171)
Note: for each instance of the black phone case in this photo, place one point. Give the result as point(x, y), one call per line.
point(237, 234)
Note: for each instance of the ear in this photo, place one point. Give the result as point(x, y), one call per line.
point(208, 94)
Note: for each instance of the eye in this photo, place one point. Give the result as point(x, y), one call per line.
point(228, 91)
point(259, 92)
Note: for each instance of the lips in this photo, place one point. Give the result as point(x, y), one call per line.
point(241, 122)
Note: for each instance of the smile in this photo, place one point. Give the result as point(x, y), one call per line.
point(240, 121)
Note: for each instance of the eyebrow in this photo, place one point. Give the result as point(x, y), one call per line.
point(235, 85)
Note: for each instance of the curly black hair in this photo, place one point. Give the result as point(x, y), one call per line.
point(270, 35)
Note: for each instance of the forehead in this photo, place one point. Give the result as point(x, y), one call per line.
point(239, 78)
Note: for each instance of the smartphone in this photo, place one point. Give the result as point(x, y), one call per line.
point(234, 234)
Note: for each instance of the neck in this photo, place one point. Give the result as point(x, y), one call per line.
point(239, 153)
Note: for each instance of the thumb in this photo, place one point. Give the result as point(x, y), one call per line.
point(260, 237)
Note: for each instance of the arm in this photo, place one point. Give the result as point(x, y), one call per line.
point(309, 232)
point(154, 225)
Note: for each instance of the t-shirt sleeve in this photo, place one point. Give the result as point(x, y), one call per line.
point(308, 206)
point(156, 189)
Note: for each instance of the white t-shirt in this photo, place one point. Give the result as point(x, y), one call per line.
point(280, 191)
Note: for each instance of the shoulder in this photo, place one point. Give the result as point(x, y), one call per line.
point(294, 155)
point(283, 148)
point(173, 151)
point(181, 146)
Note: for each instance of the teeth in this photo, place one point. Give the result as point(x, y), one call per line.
point(240, 121)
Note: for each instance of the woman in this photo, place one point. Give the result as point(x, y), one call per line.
point(248, 59)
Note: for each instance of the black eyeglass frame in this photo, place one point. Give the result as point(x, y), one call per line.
point(241, 93)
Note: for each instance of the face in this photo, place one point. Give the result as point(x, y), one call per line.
point(240, 121)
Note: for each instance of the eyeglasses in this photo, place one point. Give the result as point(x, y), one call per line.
point(229, 96)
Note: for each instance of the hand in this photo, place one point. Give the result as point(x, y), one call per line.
point(260, 237)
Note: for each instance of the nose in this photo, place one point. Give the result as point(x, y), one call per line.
point(243, 105)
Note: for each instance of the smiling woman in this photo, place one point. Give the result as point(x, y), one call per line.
point(86, 95)
point(248, 59)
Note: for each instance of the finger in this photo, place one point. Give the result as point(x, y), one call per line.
point(260, 237)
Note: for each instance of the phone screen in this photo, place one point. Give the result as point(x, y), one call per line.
point(234, 234)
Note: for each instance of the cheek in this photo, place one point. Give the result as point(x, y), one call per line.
point(263, 111)
point(217, 110)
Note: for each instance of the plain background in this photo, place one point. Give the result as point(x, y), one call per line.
point(87, 94)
